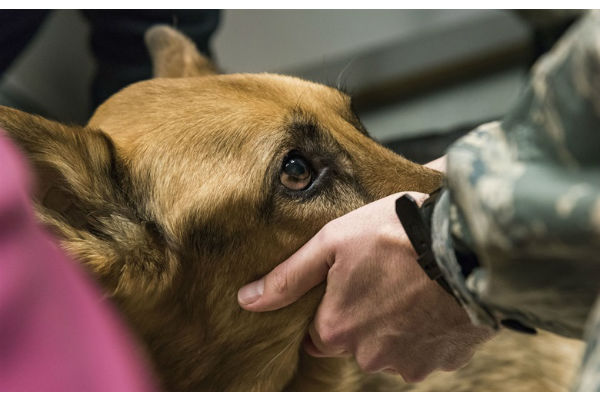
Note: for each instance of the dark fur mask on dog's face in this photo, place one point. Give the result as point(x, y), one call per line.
point(173, 197)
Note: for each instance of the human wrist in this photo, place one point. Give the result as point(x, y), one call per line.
point(439, 164)
point(415, 217)
point(419, 197)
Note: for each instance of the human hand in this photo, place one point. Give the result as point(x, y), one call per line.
point(379, 305)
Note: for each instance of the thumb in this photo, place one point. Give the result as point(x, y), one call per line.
point(290, 280)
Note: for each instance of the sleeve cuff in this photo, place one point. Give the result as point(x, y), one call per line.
point(443, 250)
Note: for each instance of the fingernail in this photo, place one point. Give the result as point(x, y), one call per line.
point(251, 292)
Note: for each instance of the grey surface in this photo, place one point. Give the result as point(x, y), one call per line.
point(290, 40)
point(431, 47)
point(54, 74)
point(481, 99)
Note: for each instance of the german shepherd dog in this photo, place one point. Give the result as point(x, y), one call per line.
point(173, 197)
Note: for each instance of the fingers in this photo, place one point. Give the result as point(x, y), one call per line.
point(314, 345)
point(289, 280)
point(311, 349)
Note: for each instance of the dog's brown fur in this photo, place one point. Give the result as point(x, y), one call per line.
point(171, 197)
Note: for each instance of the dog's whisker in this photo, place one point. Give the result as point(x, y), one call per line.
point(338, 80)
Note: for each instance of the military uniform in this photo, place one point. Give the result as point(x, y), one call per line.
point(524, 195)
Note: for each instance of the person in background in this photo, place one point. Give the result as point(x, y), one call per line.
point(57, 331)
point(117, 38)
point(514, 238)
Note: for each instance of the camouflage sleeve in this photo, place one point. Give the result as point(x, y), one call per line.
point(524, 194)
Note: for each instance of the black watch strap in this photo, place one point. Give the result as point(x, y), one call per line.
point(416, 223)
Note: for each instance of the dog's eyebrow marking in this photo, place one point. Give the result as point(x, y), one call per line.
point(300, 122)
point(305, 130)
point(312, 131)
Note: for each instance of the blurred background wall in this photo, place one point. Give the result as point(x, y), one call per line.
point(420, 78)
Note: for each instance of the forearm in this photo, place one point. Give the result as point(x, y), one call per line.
point(524, 196)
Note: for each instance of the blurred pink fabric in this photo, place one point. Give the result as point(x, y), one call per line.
point(57, 333)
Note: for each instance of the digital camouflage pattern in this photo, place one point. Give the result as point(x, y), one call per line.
point(524, 194)
point(589, 377)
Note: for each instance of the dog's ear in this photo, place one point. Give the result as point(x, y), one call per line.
point(74, 166)
point(174, 55)
point(81, 194)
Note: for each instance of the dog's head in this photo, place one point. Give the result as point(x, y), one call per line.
point(183, 188)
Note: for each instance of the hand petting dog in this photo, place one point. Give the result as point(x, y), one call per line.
point(378, 305)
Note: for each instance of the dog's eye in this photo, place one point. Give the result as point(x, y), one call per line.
point(295, 173)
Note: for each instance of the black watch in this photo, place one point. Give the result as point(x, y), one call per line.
point(416, 222)
point(417, 225)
